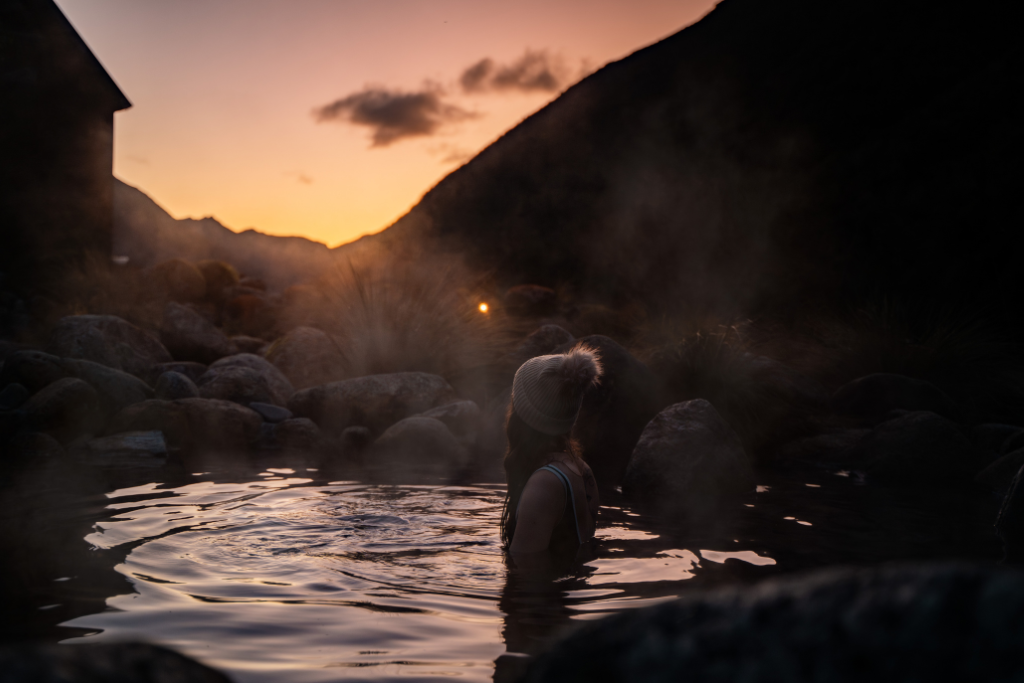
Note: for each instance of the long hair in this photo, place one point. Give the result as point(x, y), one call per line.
point(528, 450)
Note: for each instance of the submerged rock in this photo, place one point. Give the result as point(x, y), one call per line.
point(308, 357)
point(113, 663)
point(687, 461)
point(174, 385)
point(374, 401)
point(615, 412)
point(902, 623)
point(413, 447)
point(875, 396)
point(107, 340)
point(191, 337)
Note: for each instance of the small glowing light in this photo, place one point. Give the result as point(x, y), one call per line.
point(483, 308)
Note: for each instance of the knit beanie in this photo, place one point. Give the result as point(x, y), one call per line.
point(547, 391)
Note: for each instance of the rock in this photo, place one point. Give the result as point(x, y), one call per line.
point(687, 460)
point(174, 385)
point(219, 276)
point(191, 370)
point(28, 445)
point(248, 311)
point(176, 280)
point(1013, 442)
point(938, 622)
point(65, 410)
point(615, 412)
point(789, 385)
point(831, 450)
point(134, 449)
point(244, 344)
point(1010, 520)
point(308, 357)
point(109, 341)
point(12, 396)
point(189, 336)
point(874, 396)
point(375, 401)
point(168, 417)
point(998, 476)
point(113, 663)
point(238, 384)
point(296, 434)
point(540, 342)
point(461, 417)
point(271, 412)
point(35, 370)
point(919, 448)
point(355, 439)
point(993, 437)
point(281, 388)
point(220, 425)
point(414, 447)
point(253, 283)
point(493, 442)
point(530, 300)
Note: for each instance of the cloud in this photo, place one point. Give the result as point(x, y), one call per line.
point(299, 176)
point(534, 71)
point(392, 114)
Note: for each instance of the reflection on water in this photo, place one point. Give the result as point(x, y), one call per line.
point(278, 575)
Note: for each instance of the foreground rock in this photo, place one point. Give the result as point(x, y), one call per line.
point(615, 412)
point(416, 447)
point(919, 449)
point(999, 475)
point(276, 382)
point(895, 624)
point(375, 401)
point(308, 357)
point(115, 663)
point(191, 337)
point(107, 340)
point(874, 396)
point(687, 461)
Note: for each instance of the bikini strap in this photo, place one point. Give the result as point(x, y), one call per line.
point(570, 500)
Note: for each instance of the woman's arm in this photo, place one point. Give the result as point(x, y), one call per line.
point(540, 509)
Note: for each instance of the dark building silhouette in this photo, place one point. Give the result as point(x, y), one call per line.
point(57, 107)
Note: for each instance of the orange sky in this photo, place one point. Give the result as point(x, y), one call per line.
point(224, 93)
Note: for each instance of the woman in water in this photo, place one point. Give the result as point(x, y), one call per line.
point(552, 499)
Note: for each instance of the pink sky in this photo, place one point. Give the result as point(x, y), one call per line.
point(224, 93)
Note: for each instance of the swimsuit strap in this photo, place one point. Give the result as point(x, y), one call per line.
point(567, 485)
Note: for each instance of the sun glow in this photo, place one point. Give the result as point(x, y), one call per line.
point(483, 308)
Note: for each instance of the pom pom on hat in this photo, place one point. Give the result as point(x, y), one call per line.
point(547, 391)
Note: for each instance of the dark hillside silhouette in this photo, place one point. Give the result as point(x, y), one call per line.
point(773, 157)
point(57, 109)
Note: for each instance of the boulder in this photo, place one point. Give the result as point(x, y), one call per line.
point(461, 417)
point(540, 342)
point(132, 449)
point(998, 476)
point(938, 622)
point(875, 396)
point(790, 386)
point(106, 663)
point(271, 412)
point(308, 357)
point(414, 447)
point(531, 300)
point(1010, 520)
point(830, 450)
point(107, 340)
point(374, 401)
point(220, 425)
point(29, 445)
point(218, 276)
point(32, 369)
point(168, 417)
point(615, 412)
point(174, 385)
point(294, 434)
point(175, 279)
point(243, 344)
point(919, 448)
point(191, 370)
point(189, 336)
point(993, 437)
point(67, 409)
point(687, 461)
point(235, 383)
point(12, 396)
point(280, 388)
